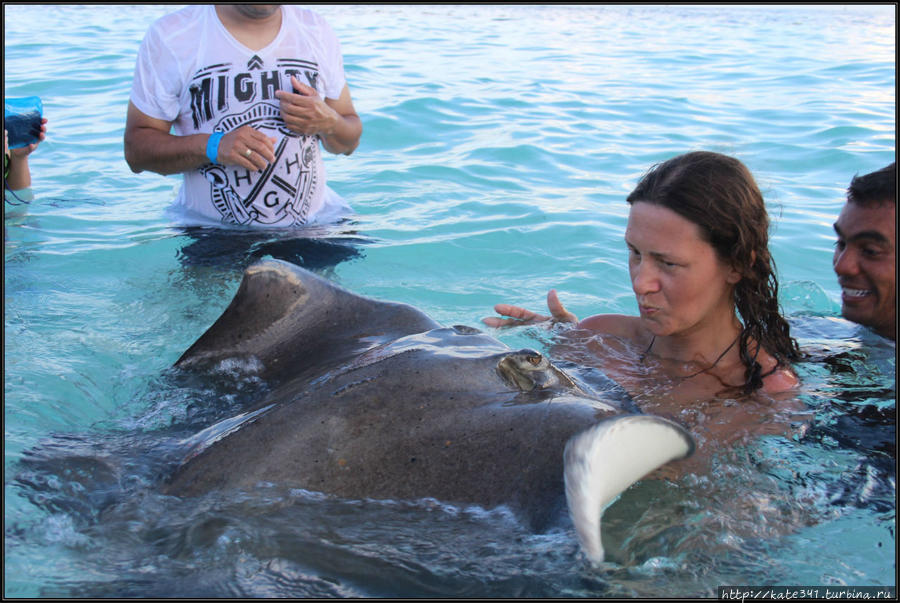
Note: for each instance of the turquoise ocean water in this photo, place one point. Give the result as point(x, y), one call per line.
point(499, 144)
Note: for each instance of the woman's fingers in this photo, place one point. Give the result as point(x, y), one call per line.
point(559, 312)
point(515, 314)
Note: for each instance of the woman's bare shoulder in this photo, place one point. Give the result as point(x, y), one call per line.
point(618, 325)
point(782, 379)
point(778, 378)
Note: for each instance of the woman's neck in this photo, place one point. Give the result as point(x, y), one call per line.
point(711, 344)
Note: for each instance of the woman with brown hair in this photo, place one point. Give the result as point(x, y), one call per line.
point(705, 283)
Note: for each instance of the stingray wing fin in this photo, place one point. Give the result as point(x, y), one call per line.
point(601, 462)
point(289, 319)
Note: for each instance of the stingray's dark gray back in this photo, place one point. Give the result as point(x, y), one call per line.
point(289, 319)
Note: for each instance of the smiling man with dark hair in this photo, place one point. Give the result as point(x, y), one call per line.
point(865, 253)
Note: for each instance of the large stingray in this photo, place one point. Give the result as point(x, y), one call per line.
point(373, 399)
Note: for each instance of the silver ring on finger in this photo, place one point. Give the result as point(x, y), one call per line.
point(248, 152)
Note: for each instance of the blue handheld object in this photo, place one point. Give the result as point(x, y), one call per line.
point(22, 120)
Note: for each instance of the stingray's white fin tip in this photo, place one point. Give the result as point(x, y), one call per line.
point(601, 462)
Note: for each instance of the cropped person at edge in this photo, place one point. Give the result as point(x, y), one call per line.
point(16, 171)
point(709, 326)
point(866, 250)
point(250, 89)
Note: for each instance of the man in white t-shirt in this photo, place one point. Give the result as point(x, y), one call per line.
point(237, 98)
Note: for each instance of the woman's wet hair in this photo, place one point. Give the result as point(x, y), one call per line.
point(719, 194)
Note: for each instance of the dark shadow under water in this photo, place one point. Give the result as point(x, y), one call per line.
point(314, 247)
point(860, 418)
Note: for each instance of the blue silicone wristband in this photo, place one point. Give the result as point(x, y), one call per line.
point(212, 146)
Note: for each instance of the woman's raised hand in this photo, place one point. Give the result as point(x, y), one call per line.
point(517, 316)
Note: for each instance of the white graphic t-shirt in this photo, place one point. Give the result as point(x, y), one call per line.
point(191, 71)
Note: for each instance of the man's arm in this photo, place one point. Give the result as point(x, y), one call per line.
point(345, 137)
point(150, 146)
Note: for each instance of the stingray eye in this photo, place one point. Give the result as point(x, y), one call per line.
point(534, 360)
